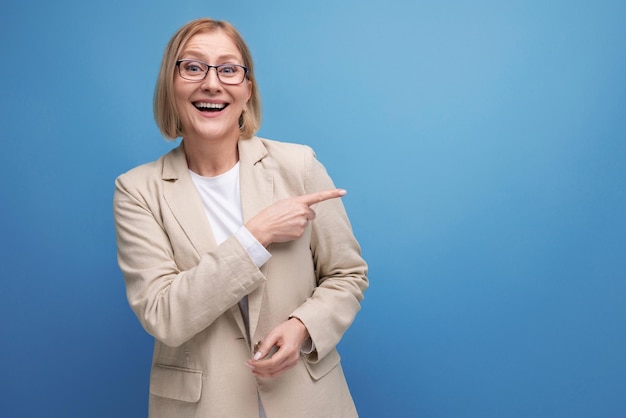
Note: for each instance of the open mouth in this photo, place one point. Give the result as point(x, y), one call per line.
point(210, 107)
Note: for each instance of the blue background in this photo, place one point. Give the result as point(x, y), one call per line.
point(483, 147)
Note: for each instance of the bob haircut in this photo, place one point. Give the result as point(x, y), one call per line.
point(165, 113)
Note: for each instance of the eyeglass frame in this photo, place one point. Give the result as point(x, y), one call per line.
point(209, 66)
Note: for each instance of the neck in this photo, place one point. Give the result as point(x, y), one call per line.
point(211, 158)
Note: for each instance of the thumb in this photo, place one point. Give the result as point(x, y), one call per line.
point(262, 348)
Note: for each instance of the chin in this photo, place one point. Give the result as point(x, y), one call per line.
point(215, 132)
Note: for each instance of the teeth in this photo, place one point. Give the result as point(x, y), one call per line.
point(205, 105)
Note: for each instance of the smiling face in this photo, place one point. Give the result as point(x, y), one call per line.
point(209, 109)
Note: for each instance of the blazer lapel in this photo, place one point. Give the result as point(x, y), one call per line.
point(257, 193)
point(182, 198)
point(257, 185)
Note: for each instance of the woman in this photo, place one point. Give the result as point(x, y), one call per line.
point(237, 254)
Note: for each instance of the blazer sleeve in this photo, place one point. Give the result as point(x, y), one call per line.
point(173, 303)
point(340, 270)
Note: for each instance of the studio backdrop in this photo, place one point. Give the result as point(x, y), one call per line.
point(483, 147)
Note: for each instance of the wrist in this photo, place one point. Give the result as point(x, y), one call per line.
point(260, 236)
point(305, 331)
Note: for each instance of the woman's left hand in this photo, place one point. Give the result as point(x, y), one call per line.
point(288, 337)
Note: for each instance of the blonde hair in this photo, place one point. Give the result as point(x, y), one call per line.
point(165, 113)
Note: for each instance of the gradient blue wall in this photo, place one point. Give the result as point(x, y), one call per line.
point(483, 145)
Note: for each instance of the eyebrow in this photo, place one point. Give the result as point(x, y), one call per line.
point(201, 56)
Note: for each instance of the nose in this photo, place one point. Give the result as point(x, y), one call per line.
point(211, 81)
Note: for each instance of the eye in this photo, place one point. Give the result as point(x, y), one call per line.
point(193, 67)
point(229, 69)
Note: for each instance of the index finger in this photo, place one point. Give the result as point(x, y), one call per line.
point(317, 197)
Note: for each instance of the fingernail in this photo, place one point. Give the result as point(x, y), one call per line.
point(343, 192)
point(258, 355)
point(249, 365)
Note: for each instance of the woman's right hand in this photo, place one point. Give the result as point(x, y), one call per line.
point(286, 219)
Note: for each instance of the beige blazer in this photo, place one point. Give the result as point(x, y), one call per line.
point(185, 289)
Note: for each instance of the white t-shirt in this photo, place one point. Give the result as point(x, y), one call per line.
point(221, 199)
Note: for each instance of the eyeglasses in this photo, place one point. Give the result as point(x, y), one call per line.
point(193, 70)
